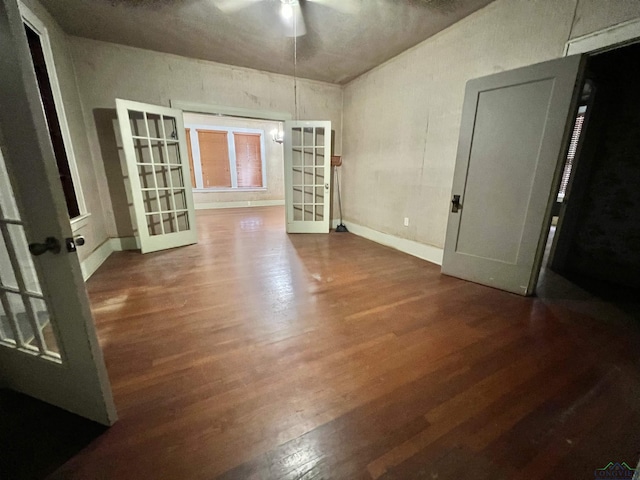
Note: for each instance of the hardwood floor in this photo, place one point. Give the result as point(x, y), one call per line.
point(257, 355)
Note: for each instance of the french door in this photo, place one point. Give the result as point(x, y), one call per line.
point(155, 147)
point(307, 165)
point(48, 344)
point(513, 137)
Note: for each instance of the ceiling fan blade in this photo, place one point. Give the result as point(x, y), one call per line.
point(231, 6)
point(348, 7)
point(293, 20)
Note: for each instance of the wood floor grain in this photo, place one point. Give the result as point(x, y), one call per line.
point(257, 355)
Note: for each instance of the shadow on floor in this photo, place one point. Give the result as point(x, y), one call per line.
point(37, 438)
point(597, 298)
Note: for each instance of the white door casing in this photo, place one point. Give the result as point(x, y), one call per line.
point(514, 133)
point(307, 174)
point(154, 142)
point(48, 344)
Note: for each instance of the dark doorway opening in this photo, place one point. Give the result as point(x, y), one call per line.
point(597, 237)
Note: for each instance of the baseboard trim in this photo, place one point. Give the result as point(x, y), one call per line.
point(242, 204)
point(90, 264)
point(425, 252)
point(125, 243)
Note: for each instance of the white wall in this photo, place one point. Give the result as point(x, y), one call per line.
point(108, 71)
point(594, 15)
point(401, 120)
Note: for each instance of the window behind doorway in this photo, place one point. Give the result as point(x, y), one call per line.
point(223, 158)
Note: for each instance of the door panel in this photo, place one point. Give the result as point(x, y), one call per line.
point(48, 344)
point(307, 163)
point(512, 139)
point(155, 148)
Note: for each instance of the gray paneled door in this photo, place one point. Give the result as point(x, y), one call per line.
point(512, 140)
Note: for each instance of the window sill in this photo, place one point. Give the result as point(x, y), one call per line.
point(222, 190)
point(80, 221)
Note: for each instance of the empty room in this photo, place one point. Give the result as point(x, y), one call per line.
point(319, 239)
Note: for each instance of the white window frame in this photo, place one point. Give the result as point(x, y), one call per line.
point(33, 22)
point(197, 164)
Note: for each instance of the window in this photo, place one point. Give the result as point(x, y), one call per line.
point(571, 154)
point(226, 157)
point(51, 98)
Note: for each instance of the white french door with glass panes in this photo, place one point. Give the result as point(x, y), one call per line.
point(155, 148)
point(48, 344)
point(307, 165)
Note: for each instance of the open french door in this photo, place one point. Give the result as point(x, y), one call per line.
point(48, 344)
point(513, 136)
point(307, 168)
point(155, 147)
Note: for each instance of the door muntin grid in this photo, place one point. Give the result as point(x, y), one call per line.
point(25, 321)
point(308, 157)
point(160, 171)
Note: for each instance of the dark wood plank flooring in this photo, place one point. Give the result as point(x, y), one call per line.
point(257, 355)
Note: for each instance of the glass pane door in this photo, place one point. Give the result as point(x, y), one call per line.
point(155, 148)
point(25, 323)
point(307, 161)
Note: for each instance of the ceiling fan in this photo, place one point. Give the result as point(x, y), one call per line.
point(290, 11)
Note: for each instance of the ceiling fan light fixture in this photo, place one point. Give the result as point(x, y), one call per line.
point(287, 8)
point(286, 11)
point(292, 19)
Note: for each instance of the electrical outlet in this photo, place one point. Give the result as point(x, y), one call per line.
point(406, 221)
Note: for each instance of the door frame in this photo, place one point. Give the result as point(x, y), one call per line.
point(206, 108)
point(591, 44)
point(237, 112)
point(609, 38)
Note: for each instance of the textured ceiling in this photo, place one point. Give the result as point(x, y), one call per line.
point(345, 38)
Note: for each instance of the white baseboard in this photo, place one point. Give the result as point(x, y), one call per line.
point(90, 264)
point(125, 243)
point(242, 204)
point(425, 252)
